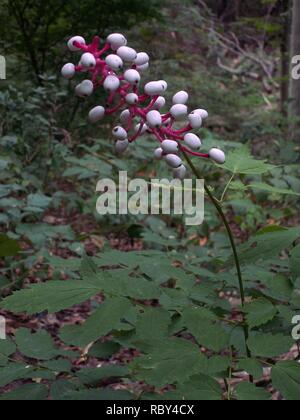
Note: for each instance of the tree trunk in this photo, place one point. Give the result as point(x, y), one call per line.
point(294, 92)
point(285, 55)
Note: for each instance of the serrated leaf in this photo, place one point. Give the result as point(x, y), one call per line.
point(61, 389)
point(286, 379)
point(173, 300)
point(269, 188)
point(39, 233)
point(13, 372)
point(106, 318)
point(93, 376)
point(67, 391)
point(198, 388)
point(246, 391)
point(7, 348)
point(104, 350)
point(52, 296)
point(252, 367)
point(63, 264)
point(36, 346)
point(295, 262)
point(168, 362)
point(119, 282)
point(269, 345)
point(239, 186)
point(240, 161)
point(278, 287)
point(267, 244)
point(38, 200)
point(200, 323)
point(28, 392)
point(217, 365)
point(58, 366)
point(259, 312)
point(106, 394)
point(153, 323)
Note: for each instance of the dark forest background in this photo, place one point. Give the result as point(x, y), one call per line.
point(235, 58)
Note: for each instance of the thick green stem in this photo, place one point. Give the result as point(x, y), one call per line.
point(232, 243)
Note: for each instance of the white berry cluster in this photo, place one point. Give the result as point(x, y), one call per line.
point(117, 68)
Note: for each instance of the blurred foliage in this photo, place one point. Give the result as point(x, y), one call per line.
point(37, 28)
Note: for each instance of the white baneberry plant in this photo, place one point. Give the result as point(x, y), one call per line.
point(187, 340)
point(118, 68)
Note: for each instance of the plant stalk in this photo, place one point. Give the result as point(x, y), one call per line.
point(232, 243)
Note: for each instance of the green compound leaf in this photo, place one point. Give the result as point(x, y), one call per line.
point(240, 161)
point(28, 392)
point(259, 312)
point(252, 367)
point(106, 318)
point(52, 296)
point(94, 376)
point(168, 362)
point(295, 262)
point(246, 391)
point(286, 379)
point(267, 244)
point(7, 348)
point(203, 325)
point(269, 345)
point(36, 346)
point(198, 388)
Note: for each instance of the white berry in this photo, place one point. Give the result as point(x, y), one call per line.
point(160, 103)
point(132, 76)
point(154, 88)
point(88, 61)
point(78, 39)
point(217, 155)
point(170, 146)
point(154, 119)
point(158, 153)
point(68, 71)
point(181, 98)
point(116, 41)
point(137, 129)
point(125, 117)
point(142, 59)
point(179, 112)
point(120, 133)
point(164, 84)
point(122, 146)
point(127, 54)
point(202, 112)
point(85, 88)
point(173, 160)
point(195, 120)
point(192, 141)
point(111, 83)
point(96, 114)
point(143, 68)
point(114, 62)
point(180, 173)
point(132, 99)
